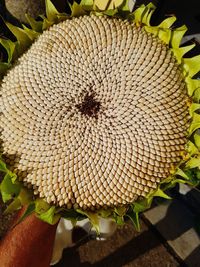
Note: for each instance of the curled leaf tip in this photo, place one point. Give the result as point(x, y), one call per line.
point(192, 65)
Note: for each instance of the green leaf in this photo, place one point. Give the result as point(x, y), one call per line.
point(105, 213)
point(195, 124)
point(3, 167)
point(93, 217)
point(181, 51)
point(35, 25)
point(13, 206)
point(152, 29)
point(197, 140)
point(87, 2)
point(124, 6)
point(29, 210)
point(51, 11)
point(23, 40)
point(191, 148)
point(138, 14)
point(31, 33)
point(165, 35)
point(8, 189)
point(186, 49)
point(148, 14)
point(13, 177)
point(192, 85)
point(193, 173)
point(41, 206)
point(25, 196)
point(193, 163)
point(77, 10)
point(19, 33)
point(160, 193)
point(46, 24)
point(141, 205)
point(196, 96)
point(192, 65)
point(88, 5)
point(121, 211)
point(10, 48)
point(174, 182)
point(134, 217)
point(182, 174)
point(110, 12)
point(3, 68)
point(103, 4)
point(177, 36)
point(198, 175)
point(193, 108)
point(167, 23)
point(49, 216)
point(119, 220)
point(5, 196)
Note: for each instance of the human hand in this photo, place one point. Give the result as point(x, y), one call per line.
point(28, 244)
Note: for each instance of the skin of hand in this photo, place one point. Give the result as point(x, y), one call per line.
point(28, 244)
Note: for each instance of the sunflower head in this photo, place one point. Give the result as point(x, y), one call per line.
point(95, 115)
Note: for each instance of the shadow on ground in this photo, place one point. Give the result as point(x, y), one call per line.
point(125, 248)
point(147, 248)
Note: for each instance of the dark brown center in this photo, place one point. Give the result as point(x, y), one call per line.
point(89, 106)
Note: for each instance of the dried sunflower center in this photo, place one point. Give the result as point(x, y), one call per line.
point(89, 106)
point(94, 114)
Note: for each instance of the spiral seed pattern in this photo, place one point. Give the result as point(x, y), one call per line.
point(94, 114)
